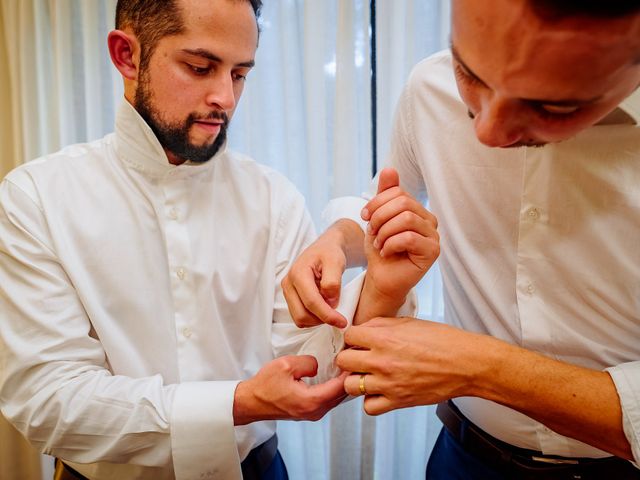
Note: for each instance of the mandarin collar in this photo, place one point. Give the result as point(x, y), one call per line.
point(631, 105)
point(139, 148)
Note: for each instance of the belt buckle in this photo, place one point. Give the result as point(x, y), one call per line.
point(555, 461)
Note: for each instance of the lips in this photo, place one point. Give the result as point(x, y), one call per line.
point(209, 126)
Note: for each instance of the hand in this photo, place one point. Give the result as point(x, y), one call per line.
point(412, 362)
point(401, 244)
point(312, 286)
point(277, 392)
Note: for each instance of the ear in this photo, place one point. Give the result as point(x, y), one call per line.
point(123, 49)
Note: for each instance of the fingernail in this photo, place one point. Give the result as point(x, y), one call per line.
point(365, 213)
point(376, 244)
point(332, 301)
point(369, 229)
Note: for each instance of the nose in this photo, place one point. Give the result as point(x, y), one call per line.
point(500, 122)
point(221, 92)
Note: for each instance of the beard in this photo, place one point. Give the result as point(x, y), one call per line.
point(174, 137)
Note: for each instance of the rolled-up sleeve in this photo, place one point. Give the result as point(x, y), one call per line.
point(626, 378)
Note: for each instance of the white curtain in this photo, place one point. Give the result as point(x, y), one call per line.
point(305, 111)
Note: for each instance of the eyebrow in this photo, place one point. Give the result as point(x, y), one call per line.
point(201, 52)
point(570, 102)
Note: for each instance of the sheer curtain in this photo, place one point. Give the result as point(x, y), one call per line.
point(305, 111)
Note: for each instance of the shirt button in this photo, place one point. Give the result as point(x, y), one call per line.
point(531, 288)
point(533, 213)
point(173, 214)
point(187, 332)
point(181, 273)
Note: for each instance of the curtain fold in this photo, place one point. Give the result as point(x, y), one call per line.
point(17, 458)
point(10, 132)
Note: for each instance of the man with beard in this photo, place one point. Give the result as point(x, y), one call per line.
point(524, 137)
point(140, 274)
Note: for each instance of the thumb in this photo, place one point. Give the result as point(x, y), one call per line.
point(303, 366)
point(331, 389)
point(388, 178)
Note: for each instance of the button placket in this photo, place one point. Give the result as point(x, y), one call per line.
point(181, 273)
point(533, 213)
point(179, 258)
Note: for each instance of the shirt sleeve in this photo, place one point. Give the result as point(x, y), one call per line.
point(56, 387)
point(626, 378)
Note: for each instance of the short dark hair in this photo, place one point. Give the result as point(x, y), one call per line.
point(152, 20)
point(558, 9)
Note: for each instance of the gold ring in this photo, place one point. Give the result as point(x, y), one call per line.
point(363, 391)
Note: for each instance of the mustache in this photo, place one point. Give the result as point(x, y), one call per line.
point(214, 115)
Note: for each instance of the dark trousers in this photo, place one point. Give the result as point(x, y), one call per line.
point(263, 463)
point(450, 461)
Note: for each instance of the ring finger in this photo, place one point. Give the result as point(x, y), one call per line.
point(358, 384)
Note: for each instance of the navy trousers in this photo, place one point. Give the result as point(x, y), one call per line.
point(449, 461)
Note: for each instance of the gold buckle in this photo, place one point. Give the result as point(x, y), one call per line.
point(555, 461)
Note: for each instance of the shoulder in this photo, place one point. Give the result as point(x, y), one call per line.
point(254, 177)
point(431, 93)
point(56, 168)
point(434, 77)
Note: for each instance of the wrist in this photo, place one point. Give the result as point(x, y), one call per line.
point(375, 303)
point(242, 401)
point(495, 365)
point(348, 235)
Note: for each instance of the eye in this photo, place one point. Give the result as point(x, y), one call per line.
point(465, 77)
point(557, 112)
point(560, 109)
point(238, 77)
point(200, 71)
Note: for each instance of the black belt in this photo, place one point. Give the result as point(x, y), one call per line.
point(253, 467)
point(523, 464)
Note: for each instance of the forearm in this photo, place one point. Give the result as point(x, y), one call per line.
point(574, 401)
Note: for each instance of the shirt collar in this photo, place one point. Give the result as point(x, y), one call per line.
point(138, 147)
point(631, 105)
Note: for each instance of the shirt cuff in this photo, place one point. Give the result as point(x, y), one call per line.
point(202, 431)
point(349, 299)
point(344, 207)
point(626, 378)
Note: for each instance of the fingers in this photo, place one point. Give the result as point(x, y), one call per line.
point(364, 337)
point(375, 403)
point(305, 302)
point(395, 202)
point(331, 281)
point(352, 384)
point(408, 233)
point(355, 360)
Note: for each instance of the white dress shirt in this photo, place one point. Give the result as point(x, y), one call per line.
point(539, 246)
point(135, 295)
